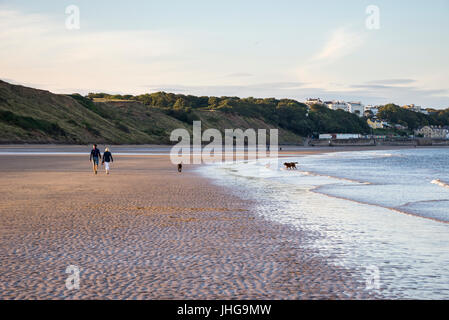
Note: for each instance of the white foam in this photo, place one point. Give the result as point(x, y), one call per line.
point(440, 183)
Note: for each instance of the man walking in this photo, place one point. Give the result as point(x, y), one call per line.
point(95, 157)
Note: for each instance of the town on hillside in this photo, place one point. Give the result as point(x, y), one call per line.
point(371, 113)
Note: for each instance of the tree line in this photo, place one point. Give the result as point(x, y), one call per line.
point(394, 114)
point(288, 114)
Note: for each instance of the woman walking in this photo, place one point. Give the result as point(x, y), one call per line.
point(107, 157)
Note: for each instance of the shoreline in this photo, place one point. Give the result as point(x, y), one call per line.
point(167, 146)
point(147, 232)
point(161, 150)
point(360, 226)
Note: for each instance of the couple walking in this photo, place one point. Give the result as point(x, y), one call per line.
point(95, 157)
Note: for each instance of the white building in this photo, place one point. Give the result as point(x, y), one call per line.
point(312, 101)
point(415, 108)
point(357, 108)
point(373, 109)
point(353, 107)
point(433, 132)
point(340, 136)
point(338, 105)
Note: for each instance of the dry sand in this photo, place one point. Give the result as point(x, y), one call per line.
point(147, 232)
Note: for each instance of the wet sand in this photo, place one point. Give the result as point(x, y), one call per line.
point(147, 232)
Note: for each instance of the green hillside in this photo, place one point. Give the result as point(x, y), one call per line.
point(36, 116)
point(30, 115)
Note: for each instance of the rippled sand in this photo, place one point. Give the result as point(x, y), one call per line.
point(147, 232)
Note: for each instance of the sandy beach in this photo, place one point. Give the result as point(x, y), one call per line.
point(148, 232)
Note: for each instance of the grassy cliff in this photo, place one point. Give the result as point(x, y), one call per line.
point(30, 115)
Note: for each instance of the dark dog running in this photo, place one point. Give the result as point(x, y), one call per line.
point(179, 167)
point(290, 165)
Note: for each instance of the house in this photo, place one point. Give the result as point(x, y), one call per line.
point(338, 105)
point(400, 127)
point(377, 124)
point(435, 132)
point(373, 109)
point(312, 101)
point(353, 107)
point(415, 108)
point(339, 136)
point(357, 108)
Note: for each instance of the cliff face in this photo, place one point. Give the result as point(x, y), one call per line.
point(30, 115)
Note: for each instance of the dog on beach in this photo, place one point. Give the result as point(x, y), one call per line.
point(179, 167)
point(290, 165)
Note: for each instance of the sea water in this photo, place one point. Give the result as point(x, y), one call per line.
point(371, 210)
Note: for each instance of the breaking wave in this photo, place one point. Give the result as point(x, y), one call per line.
point(440, 183)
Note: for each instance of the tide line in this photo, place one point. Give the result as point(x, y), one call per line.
point(397, 210)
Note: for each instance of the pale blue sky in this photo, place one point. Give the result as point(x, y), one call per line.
point(295, 49)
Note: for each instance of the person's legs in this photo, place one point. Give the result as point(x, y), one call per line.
point(95, 164)
point(106, 167)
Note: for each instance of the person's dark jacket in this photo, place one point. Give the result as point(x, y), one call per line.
point(95, 153)
point(107, 157)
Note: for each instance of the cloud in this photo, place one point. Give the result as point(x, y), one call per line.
point(238, 75)
point(275, 89)
point(25, 84)
point(341, 43)
point(372, 86)
point(398, 89)
point(368, 94)
point(38, 48)
point(403, 94)
point(391, 81)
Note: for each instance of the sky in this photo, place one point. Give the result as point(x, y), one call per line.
point(282, 49)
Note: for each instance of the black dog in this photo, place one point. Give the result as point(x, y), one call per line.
point(290, 165)
point(179, 167)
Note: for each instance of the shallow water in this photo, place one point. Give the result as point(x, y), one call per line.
point(387, 210)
